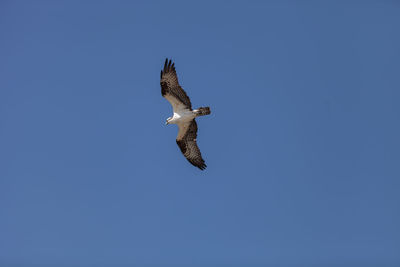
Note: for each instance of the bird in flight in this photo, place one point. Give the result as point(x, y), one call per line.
point(184, 116)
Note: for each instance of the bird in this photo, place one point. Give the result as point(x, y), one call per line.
point(183, 115)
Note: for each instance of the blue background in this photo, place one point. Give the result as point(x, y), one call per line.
point(302, 146)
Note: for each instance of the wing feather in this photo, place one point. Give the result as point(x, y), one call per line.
point(170, 88)
point(186, 141)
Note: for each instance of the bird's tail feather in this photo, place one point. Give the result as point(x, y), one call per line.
point(202, 111)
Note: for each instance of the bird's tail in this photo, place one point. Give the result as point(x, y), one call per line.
point(202, 111)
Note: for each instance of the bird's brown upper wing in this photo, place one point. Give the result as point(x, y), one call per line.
point(170, 88)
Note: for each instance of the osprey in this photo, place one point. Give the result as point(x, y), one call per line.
point(184, 116)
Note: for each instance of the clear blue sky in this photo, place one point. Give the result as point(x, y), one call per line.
point(302, 146)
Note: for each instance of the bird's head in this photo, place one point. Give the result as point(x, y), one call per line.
point(168, 121)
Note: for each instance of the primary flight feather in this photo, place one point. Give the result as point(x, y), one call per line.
point(183, 116)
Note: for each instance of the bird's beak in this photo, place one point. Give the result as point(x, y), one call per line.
point(166, 123)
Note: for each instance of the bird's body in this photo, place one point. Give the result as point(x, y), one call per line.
point(183, 115)
point(186, 115)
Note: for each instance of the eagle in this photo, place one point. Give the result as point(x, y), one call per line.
point(184, 116)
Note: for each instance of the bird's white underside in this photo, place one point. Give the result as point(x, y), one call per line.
point(182, 115)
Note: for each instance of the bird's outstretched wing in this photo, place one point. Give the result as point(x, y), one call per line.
point(186, 141)
point(171, 90)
